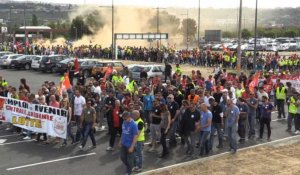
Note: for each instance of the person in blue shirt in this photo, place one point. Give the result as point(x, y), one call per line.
point(205, 128)
point(128, 140)
point(148, 107)
point(232, 113)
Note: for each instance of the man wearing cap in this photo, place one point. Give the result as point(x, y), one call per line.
point(252, 104)
point(217, 122)
point(266, 109)
point(243, 118)
point(88, 123)
point(128, 141)
point(173, 107)
point(148, 106)
point(232, 113)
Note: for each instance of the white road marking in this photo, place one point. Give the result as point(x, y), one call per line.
point(15, 142)
point(2, 141)
point(213, 156)
point(278, 119)
point(8, 135)
point(50, 161)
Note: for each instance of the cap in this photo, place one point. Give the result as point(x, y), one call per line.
point(171, 96)
point(224, 90)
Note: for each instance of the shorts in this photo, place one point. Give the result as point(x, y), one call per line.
point(155, 131)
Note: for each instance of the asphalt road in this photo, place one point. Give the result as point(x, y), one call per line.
point(31, 158)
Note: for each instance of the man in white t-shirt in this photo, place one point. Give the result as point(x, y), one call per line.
point(79, 103)
point(97, 88)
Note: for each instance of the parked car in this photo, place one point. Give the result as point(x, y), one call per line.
point(6, 60)
point(271, 47)
point(35, 62)
point(62, 66)
point(48, 63)
point(152, 71)
point(2, 53)
point(22, 62)
point(101, 66)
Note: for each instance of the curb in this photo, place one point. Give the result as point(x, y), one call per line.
point(159, 170)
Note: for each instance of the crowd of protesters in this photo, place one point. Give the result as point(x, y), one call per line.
point(270, 61)
point(194, 107)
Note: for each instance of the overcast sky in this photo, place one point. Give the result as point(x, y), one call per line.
point(186, 3)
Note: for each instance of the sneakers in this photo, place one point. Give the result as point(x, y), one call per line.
point(81, 147)
point(233, 151)
point(136, 169)
point(297, 132)
point(102, 128)
point(27, 138)
point(109, 148)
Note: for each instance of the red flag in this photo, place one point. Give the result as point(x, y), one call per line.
point(76, 66)
point(254, 81)
point(66, 82)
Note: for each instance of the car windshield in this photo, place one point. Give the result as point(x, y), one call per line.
point(21, 57)
point(67, 60)
point(4, 57)
point(140, 69)
point(45, 59)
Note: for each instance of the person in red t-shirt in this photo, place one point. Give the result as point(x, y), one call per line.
point(117, 124)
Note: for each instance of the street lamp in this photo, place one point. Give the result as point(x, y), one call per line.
point(112, 29)
point(239, 56)
point(75, 33)
point(255, 36)
point(199, 24)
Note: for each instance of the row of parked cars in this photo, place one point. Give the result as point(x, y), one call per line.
point(54, 63)
point(59, 64)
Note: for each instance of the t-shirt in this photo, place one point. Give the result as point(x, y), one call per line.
point(156, 111)
point(129, 130)
point(243, 108)
point(173, 107)
point(205, 116)
point(298, 102)
point(216, 113)
point(116, 117)
point(189, 120)
point(252, 101)
point(78, 105)
point(88, 114)
point(217, 97)
point(266, 110)
point(232, 115)
point(148, 102)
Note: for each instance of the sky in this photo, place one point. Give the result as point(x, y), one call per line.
point(184, 3)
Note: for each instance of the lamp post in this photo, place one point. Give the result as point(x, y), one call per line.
point(199, 24)
point(112, 28)
point(239, 56)
point(255, 36)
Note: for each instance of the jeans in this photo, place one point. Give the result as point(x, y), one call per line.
point(292, 117)
point(204, 142)
point(127, 158)
point(265, 121)
point(113, 135)
point(280, 108)
point(147, 117)
point(138, 154)
point(88, 131)
point(78, 132)
point(232, 136)
point(242, 128)
point(214, 127)
point(69, 134)
point(190, 139)
point(163, 141)
point(251, 121)
point(173, 130)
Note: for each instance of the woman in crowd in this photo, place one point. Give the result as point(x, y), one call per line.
point(164, 128)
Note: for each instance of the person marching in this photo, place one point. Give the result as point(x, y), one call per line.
point(138, 150)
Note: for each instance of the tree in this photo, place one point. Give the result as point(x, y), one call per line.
point(189, 29)
point(227, 34)
point(167, 23)
point(246, 34)
point(79, 28)
point(34, 20)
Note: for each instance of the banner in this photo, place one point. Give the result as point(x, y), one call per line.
point(34, 117)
